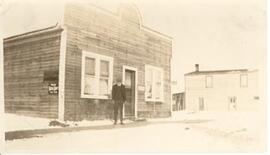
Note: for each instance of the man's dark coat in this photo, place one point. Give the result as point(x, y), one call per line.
point(119, 93)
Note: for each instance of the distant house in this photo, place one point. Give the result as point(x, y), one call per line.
point(221, 90)
point(67, 71)
point(178, 101)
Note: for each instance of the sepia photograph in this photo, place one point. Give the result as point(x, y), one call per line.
point(133, 76)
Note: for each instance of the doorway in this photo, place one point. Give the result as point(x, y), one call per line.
point(130, 82)
point(201, 104)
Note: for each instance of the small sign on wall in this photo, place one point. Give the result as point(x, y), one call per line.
point(53, 88)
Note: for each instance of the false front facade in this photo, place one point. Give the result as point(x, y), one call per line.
point(67, 71)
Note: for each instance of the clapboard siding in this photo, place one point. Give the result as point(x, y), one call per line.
point(94, 31)
point(26, 59)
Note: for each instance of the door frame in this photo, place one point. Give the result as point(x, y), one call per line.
point(136, 83)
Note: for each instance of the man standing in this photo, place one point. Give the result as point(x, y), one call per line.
point(119, 97)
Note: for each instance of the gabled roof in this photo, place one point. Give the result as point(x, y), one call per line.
point(217, 72)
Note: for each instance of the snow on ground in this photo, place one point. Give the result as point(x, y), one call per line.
point(184, 132)
point(225, 121)
point(150, 138)
point(235, 126)
point(18, 122)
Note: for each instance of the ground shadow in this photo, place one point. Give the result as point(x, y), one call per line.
point(12, 135)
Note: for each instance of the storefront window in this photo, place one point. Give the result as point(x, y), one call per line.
point(97, 75)
point(154, 83)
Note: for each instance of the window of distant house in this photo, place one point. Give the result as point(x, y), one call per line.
point(232, 103)
point(243, 80)
point(232, 99)
point(153, 83)
point(209, 82)
point(96, 75)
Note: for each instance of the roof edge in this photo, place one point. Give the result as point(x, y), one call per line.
point(219, 72)
point(31, 33)
point(156, 32)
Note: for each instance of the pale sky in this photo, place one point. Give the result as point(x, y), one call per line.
point(217, 34)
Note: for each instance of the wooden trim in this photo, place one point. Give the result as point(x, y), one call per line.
point(2, 103)
point(136, 89)
point(61, 82)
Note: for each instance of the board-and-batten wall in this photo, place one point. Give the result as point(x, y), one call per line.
point(129, 45)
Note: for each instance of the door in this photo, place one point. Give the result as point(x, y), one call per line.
point(130, 84)
point(201, 104)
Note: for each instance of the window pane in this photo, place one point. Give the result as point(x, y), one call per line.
point(209, 82)
point(104, 68)
point(103, 86)
point(128, 79)
point(234, 99)
point(158, 90)
point(89, 66)
point(149, 83)
point(89, 85)
point(149, 90)
point(244, 80)
point(149, 75)
point(158, 76)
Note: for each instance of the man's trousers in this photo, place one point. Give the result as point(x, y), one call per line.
point(118, 107)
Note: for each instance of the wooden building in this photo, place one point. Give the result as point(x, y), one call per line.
point(67, 71)
point(222, 90)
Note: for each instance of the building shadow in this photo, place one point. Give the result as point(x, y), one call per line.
point(22, 134)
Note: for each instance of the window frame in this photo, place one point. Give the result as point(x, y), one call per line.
point(153, 82)
point(98, 58)
point(208, 76)
point(246, 85)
